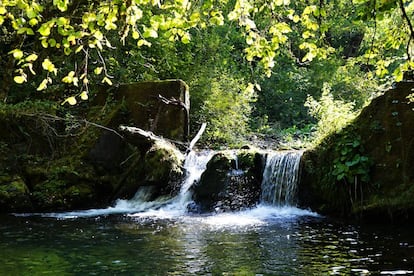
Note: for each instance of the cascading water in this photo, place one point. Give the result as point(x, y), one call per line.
point(195, 164)
point(278, 191)
point(280, 177)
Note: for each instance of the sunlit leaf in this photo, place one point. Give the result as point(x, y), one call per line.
point(149, 32)
point(44, 29)
point(49, 66)
point(143, 42)
point(19, 79)
point(98, 70)
point(42, 85)
point(17, 54)
point(107, 81)
point(78, 49)
point(84, 95)
point(33, 22)
point(71, 100)
point(44, 43)
point(135, 35)
point(69, 77)
point(186, 38)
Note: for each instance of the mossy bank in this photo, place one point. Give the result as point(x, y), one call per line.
point(366, 170)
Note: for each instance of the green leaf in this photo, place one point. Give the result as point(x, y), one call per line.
point(17, 54)
point(107, 81)
point(61, 21)
point(186, 38)
point(42, 85)
point(84, 95)
point(49, 66)
point(44, 29)
point(52, 42)
point(79, 49)
point(143, 42)
point(62, 5)
point(44, 43)
point(33, 22)
point(98, 70)
point(398, 74)
point(135, 34)
point(69, 77)
point(71, 100)
point(20, 79)
point(149, 32)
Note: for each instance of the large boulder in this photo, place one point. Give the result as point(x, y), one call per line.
point(231, 181)
point(366, 170)
point(158, 106)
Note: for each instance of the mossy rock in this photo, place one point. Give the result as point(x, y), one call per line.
point(81, 195)
point(61, 195)
point(14, 194)
point(163, 168)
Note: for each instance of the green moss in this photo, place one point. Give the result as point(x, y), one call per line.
point(163, 163)
point(14, 194)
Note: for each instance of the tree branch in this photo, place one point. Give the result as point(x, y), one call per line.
point(410, 26)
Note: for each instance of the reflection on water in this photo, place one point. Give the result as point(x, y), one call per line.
point(267, 241)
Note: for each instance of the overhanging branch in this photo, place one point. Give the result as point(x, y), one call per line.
point(410, 26)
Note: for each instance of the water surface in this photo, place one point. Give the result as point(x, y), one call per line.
point(262, 241)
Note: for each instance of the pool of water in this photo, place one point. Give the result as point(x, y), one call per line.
point(261, 241)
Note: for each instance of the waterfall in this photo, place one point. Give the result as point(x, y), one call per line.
point(195, 164)
point(280, 177)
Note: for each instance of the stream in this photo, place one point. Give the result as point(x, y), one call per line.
point(141, 237)
point(262, 241)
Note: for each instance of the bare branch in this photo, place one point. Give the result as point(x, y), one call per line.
point(410, 26)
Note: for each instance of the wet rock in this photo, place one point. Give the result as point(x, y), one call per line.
point(230, 182)
point(163, 168)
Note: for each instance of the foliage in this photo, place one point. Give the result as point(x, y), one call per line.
point(226, 108)
point(332, 114)
point(351, 163)
point(64, 50)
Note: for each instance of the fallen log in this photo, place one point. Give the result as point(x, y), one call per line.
point(139, 137)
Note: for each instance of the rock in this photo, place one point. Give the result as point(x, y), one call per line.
point(224, 186)
point(163, 168)
point(164, 116)
point(14, 194)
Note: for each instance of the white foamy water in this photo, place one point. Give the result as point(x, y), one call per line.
point(257, 216)
point(260, 215)
point(141, 207)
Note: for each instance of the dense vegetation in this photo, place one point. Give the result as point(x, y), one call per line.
point(279, 67)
